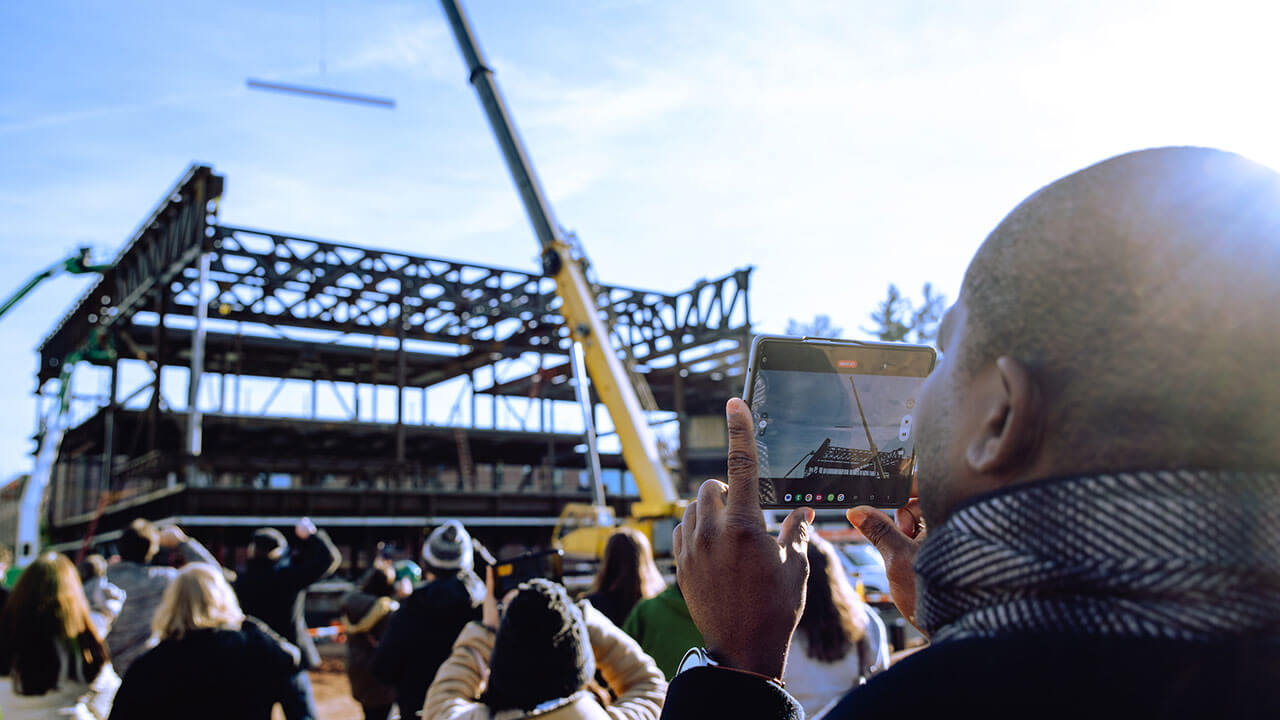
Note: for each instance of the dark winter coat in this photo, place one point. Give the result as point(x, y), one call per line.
point(274, 592)
point(365, 619)
point(208, 674)
point(1019, 677)
point(421, 637)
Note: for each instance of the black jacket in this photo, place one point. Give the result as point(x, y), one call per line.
point(274, 592)
point(1021, 677)
point(421, 637)
point(365, 619)
point(208, 674)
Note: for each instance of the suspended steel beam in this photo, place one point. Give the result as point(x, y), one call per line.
point(320, 93)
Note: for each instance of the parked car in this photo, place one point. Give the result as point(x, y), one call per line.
point(863, 564)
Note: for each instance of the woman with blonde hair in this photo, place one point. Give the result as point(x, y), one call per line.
point(627, 575)
point(208, 659)
point(56, 663)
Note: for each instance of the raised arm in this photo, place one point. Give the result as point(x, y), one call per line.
point(745, 591)
point(632, 674)
point(317, 556)
point(457, 684)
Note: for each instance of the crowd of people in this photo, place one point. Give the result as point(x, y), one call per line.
point(1096, 532)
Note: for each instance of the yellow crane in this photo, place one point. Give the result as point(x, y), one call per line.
point(582, 529)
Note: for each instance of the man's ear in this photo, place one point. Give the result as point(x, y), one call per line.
point(1010, 416)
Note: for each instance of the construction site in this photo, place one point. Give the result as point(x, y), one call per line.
point(224, 306)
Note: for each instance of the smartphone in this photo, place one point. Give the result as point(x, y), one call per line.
point(509, 574)
point(833, 420)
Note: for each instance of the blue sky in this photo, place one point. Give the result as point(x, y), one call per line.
point(836, 146)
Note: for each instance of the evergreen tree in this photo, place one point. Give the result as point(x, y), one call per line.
point(821, 327)
point(898, 319)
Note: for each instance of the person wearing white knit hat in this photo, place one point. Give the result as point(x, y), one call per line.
point(448, 549)
point(422, 631)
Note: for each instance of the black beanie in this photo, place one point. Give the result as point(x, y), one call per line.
point(542, 651)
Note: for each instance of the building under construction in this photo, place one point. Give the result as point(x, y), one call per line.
point(199, 310)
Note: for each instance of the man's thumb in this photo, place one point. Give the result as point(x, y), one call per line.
point(794, 532)
point(880, 530)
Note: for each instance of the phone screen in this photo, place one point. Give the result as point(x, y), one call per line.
point(541, 564)
point(833, 420)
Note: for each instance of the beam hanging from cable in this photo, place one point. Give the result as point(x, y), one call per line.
point(320, 93)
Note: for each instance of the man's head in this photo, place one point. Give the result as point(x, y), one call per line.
point(1122, 317)
point(138, 542)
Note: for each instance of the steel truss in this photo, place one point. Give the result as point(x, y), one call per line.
point(369, 317)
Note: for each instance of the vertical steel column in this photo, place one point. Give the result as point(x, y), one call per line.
point(682, 424)
point(582, 388)
point(373, 383)
point(472, 377)
point(542, 397)
point(400, 328)
point(493, 398)
point(195, 419)
point(109, 426)
point(239, 365)
point(153, 410)
point(355, 393)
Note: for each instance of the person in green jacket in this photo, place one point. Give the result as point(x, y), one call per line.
point(664, 629)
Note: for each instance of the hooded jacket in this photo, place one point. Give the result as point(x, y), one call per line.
point(632, 675)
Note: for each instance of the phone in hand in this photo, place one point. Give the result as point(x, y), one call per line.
point(833, 420)
point(508, 574)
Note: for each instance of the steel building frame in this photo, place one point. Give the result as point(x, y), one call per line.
point(182, 288)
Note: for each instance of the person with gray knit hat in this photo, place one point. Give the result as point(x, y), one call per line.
point(540, 658)
point(448, 548)
point(422, 631)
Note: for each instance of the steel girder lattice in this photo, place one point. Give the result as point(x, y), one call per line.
point(275, 279)
point(281, 280)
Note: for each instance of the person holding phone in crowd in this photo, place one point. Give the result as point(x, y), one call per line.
point(536, 657)
point(422, 631)
point(1099, 475)
point(144, 583)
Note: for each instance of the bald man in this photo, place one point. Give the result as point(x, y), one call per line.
point(1098, 453)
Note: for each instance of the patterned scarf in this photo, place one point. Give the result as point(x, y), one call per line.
point(1186, 555)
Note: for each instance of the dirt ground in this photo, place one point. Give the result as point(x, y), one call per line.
point(333, 693)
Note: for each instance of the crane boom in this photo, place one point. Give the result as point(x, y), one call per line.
point(76, 264)
point(565, 264)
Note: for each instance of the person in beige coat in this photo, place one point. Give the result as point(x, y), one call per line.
point(540, 663)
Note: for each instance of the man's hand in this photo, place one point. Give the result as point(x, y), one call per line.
point(171, 536)
point(898, 542)
point(745, 590)
point(304, 529)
